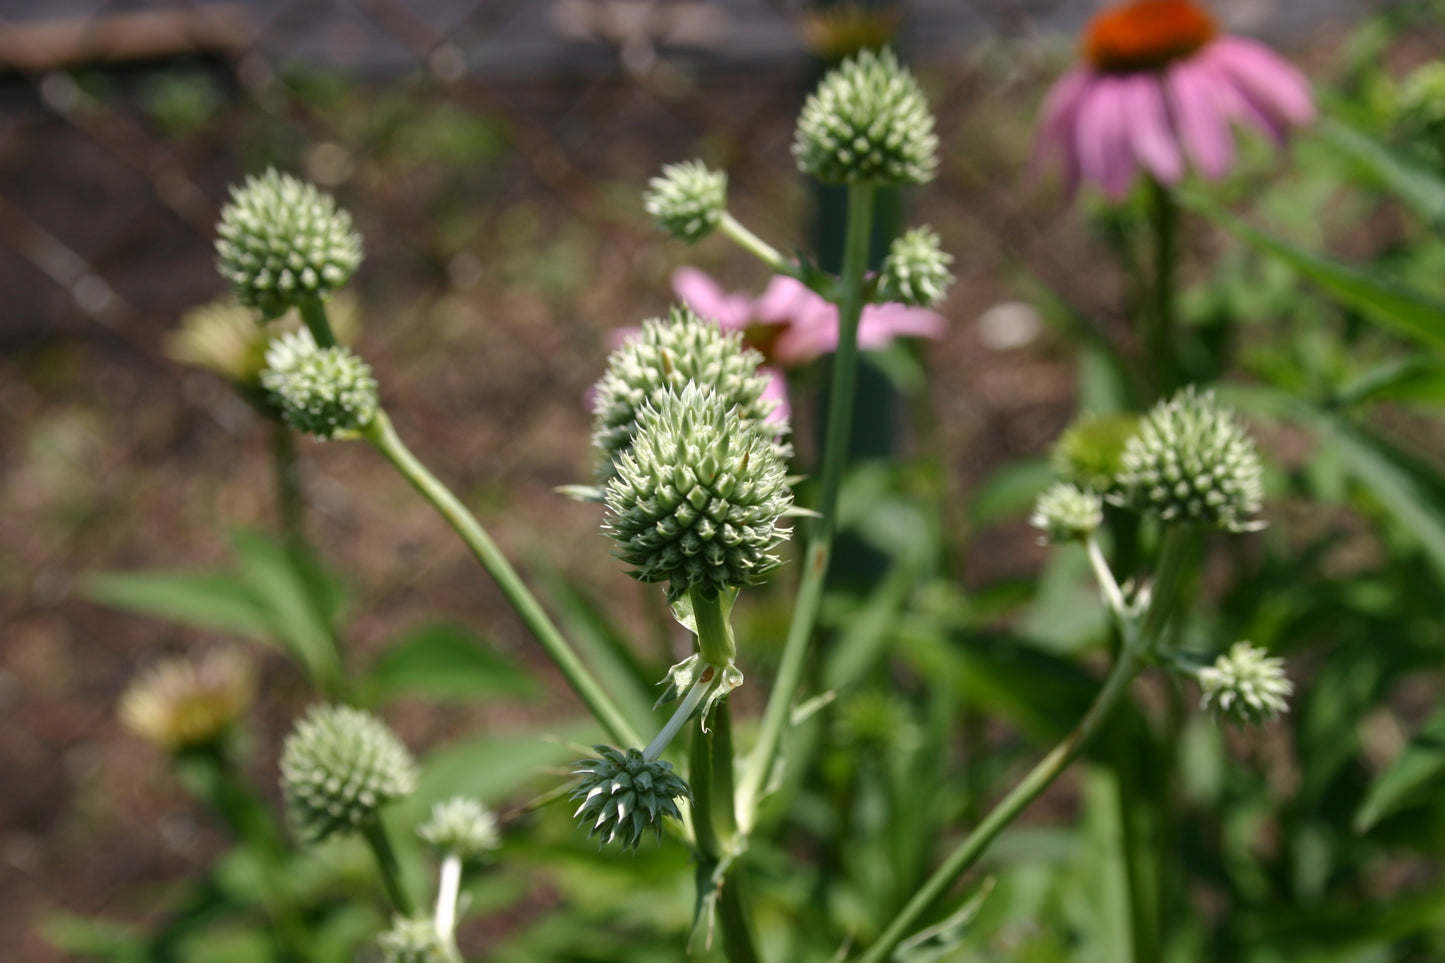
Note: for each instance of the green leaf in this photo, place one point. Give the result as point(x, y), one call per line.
point(296, 597)
point(98, 938)
point(1383, 299)
point(1417, 769)
point(446, 661)
point(1011, 491)
point(1420, 189)
point(206, 601)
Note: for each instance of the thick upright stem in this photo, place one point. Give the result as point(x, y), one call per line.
point(382, 435)
point(376, 837)
point(1163, 352)
point(820, 543)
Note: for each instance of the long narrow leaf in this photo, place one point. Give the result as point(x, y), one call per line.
point(1421, 190)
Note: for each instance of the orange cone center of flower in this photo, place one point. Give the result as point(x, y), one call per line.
point(1146, 34)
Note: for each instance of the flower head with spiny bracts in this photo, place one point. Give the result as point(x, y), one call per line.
point(697, 498)
point(339, 767)
point(1067, 513)
point(688, 200)
point(325, 392)
point(663, 358)
point(182, 704)
point(283, 242)
point(1193, 463)
point(462, 827)
point(1245, 685)
point(623, 794)
point(1160, 85)
point(867, 123)
point(414, 941)
point(915, 272)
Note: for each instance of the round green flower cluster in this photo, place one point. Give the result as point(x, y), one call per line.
point(413, 941)
point(697, 497)
point(624, 793)
point(339, 767)
point(1067, 513)
point(1245, 685)
point(324, 392)
point(867, 123)
point(688, 200)
point(282, 242)
point(1193, 463)
point(461, 826)
point(915, 272)
point(663, 358)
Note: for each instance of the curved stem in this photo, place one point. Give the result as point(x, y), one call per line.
point(376, 837)
point(861, 199)
point(448, 889)
point(313, 315)
point(973, 846)
point(755, 245)
point(383, 436)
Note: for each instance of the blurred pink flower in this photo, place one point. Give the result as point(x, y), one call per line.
point(1160, 86)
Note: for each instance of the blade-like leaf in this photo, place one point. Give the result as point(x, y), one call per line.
point(1420, 766)
point(446, 661)
point(1420, 189)
point(212, 602)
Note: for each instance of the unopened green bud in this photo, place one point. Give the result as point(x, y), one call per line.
point(1192, 463)
point(339, 767)
point(915, 272)
point(413, 941)
point(324, 392)
point(461, 827)
point(1245, 686)
point(663, 358)
point(283, 242)
point(697, 497)
point(1067, 513)
point(623, 794)
point(867, 123)
point(1090, 452)
point(688, 200)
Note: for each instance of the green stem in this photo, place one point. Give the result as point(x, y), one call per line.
point(1163, 352)
point(715, 643)
point(313, 315)
point(715, 826)
point(1039, 778)
point(383, 436)
point(755, 245)
point(376, 837)
point(861, 199)
point(1176, 559)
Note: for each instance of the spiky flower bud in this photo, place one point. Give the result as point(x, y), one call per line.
point(867, 123)
point(697, 497)
point(461, 826)
point(324, 392)
point(1193, 463)
point(624, 793)
point(282, 242)
point(1090, 452)
point(688, 200)
point(1067, 513)
point(1245, 686)
point(182, 704)
point(915, 272)
point(662, 359)
point(339, 767)
point(413, 941)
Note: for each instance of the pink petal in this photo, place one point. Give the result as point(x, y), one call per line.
point(1101, 137)
point(1058, 116)
point(777, 390)
point(881, 323)
point(1150, 131)
point(1265, 78)
point(705, 296)
point(1195, 96)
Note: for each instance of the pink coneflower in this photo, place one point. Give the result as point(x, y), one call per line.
point(791, 324)
point(1159, 85)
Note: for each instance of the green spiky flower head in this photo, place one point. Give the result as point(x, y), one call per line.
point(867, 123)
point(663, 358)
point(697, 497)
point(461, 826)
point(915, 272)
point(413, 941)
point(339, 767)
point(1245, 686)
point(282, 242)
point(1068, 513)
point(325, 392)
point(688, 200)
point(1193, 463)
point(624, 793)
